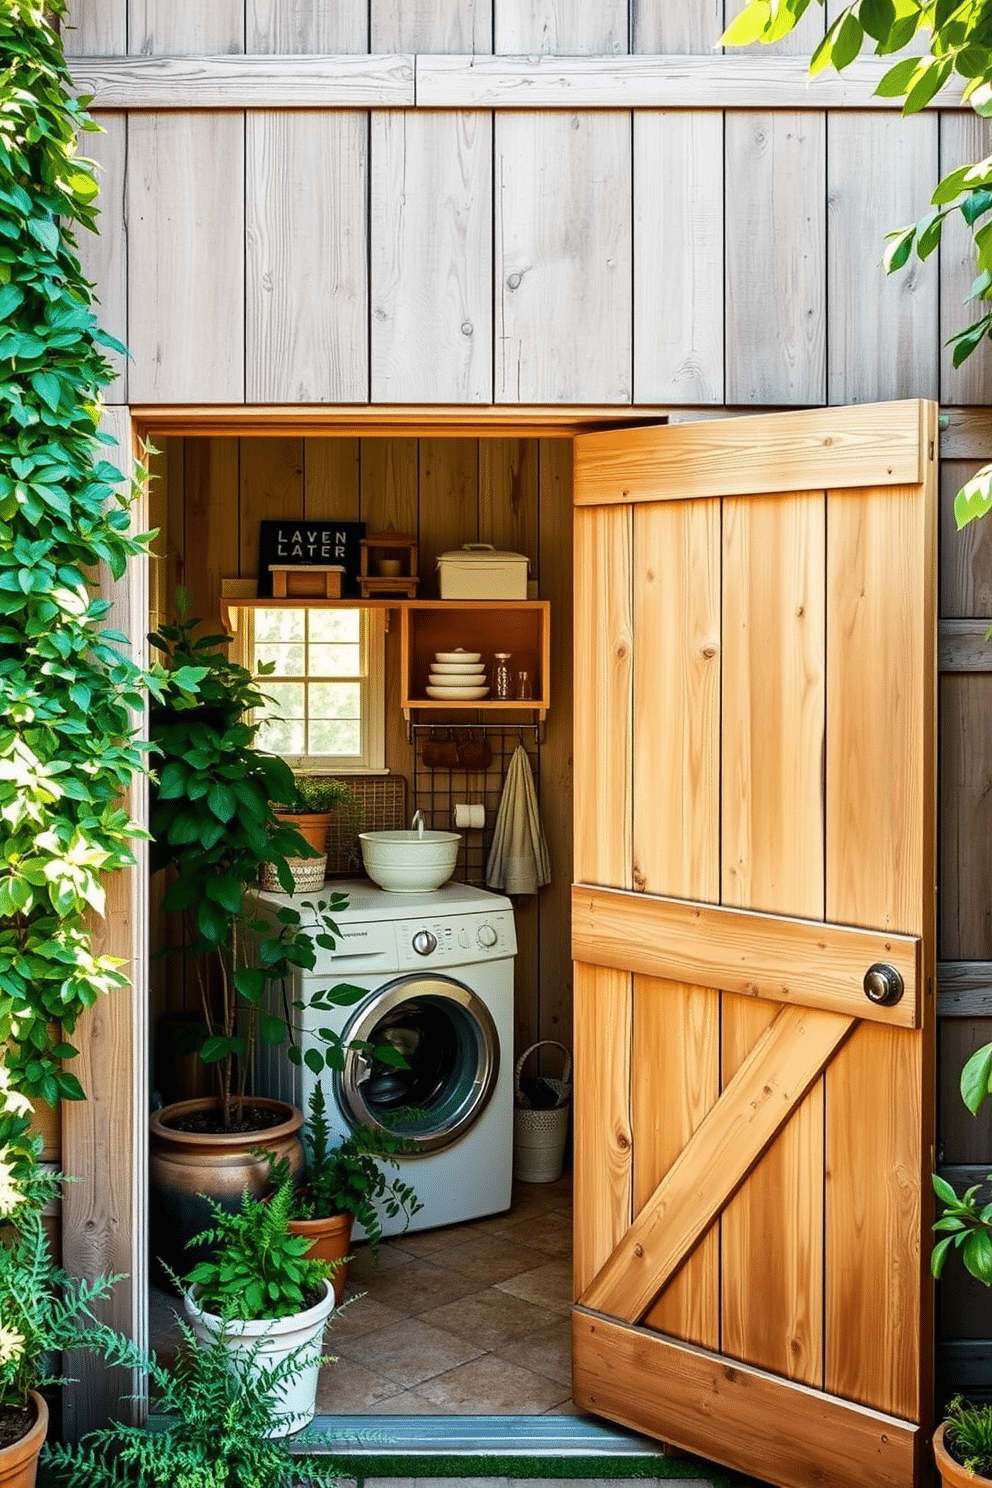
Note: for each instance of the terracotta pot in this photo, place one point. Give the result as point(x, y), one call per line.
point(952, 1474)
point(312, 826)
point(185, 1165)
point(19, 1461)
point(330, 1240)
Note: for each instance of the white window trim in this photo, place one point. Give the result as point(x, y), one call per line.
point(372, 761)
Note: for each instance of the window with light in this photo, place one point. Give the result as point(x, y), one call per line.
point(325, 689)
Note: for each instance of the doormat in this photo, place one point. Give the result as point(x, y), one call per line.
point(366, 1448)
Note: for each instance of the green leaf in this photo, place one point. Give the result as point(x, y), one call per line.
point(877, 17)
point(896, 256)
point(976, 1254)
point(896, 81)
point(748, 26)
point(848, 42)
point(975, 1078)
point(974, 498)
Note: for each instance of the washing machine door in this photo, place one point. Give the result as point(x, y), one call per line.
point(449, 1043)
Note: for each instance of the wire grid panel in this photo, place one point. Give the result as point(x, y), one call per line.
point(438, 788)
point(380, 806)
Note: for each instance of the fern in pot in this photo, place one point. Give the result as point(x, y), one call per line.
point(267, 1299)
point(345, 1183)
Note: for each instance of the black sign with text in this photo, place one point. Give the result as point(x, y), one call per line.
point(305, 542)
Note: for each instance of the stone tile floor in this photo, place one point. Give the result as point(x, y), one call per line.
point(472, 1319)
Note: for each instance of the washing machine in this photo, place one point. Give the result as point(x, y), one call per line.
point(437, 969)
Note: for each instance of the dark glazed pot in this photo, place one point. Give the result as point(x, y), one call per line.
point(185, 1165)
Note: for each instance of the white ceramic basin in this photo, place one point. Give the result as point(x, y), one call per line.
point(409, 862)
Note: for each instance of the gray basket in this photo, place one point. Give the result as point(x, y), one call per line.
point(539, 1136)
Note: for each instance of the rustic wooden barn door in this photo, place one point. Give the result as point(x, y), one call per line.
point(754, 848)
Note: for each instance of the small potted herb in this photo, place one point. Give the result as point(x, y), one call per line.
point(262, 1294)
point(310, 810)
point(347, 1182)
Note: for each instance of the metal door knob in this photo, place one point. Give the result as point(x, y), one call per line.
point(883, 984)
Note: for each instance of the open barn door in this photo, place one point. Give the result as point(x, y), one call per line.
point(753, 932)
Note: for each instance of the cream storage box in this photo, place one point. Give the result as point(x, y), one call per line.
point(478, 571)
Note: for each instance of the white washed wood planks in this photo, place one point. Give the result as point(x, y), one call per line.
point(185, 26)
point(658, 27)
point(963, 138)
point(882, 330)
point(776, 258)
point(98, 30)
point(103, 254)
point(431, 25)
point(244, 83)
point(186, 265)
point(307, 289)
point(431, 257)
point(564, 27)
point(296, 26)
point(563, 258)
point(678, 257)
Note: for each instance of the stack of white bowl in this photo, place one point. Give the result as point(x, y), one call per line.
point(457, 676)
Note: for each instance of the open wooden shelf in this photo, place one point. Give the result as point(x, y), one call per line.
point(519, 626)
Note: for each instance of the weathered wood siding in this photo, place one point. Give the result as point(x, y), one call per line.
point(535, 201)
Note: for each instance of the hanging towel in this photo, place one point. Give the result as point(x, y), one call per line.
point(518, 859)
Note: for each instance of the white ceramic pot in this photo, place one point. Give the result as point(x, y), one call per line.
point(409, 862)
point(264, 1343)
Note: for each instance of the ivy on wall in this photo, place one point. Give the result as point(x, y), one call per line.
point(67, 684)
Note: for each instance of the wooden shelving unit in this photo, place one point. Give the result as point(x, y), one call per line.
point(520, 626)
point(487, 626)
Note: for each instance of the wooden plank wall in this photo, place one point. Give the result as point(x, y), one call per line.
point(209, 495)
point(633, 235)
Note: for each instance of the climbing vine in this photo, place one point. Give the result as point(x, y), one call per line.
point(68, 747)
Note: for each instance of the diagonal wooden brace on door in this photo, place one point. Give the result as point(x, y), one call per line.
point(759, 1100)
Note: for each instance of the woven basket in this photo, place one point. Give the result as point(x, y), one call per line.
point(308, 875)
point(539, 1136)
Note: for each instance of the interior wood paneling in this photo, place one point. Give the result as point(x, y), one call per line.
point(515, 493)
point(776, 258)
point(431, 250)
point(306, 263)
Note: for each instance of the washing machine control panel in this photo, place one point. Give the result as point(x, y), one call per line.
point(461, 940)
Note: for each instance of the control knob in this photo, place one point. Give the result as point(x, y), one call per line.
point(487, 935)
point(424, 942)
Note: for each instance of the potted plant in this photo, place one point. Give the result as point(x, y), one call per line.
point(213, 1427)
point(346, 1182)
point(41, 1308)
point(213, 827)
point(310, 812)
point(963, 1441)
point(261, 1293)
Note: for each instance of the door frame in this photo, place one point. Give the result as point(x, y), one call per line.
point(105, 1210)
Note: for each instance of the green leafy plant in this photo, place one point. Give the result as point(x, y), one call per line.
point(214, 825)
point(969, 1435)
point(959, 50)
point(965, 1224)
point(67, 683)
point(213, 1430)
point(349, 1177)
point(257, 1269)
